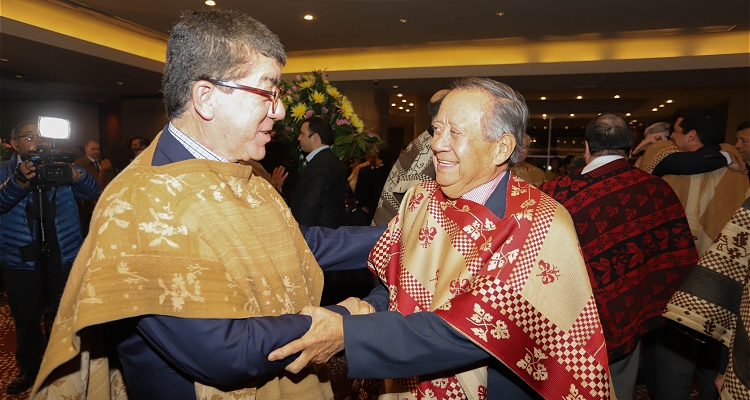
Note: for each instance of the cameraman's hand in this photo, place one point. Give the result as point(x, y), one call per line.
point(76, 173)
point(25, 169)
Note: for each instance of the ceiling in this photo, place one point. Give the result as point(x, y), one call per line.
point(38, 67)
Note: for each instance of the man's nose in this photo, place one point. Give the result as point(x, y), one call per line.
point(279, 113)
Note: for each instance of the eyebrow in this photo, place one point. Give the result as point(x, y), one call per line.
point(274, 80)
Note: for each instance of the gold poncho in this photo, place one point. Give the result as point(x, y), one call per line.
point(193, 239)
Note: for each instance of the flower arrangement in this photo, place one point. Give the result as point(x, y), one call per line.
point(313, 95)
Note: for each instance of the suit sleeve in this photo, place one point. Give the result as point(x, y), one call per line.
point(344, 248)
point(690, 163)
point(387, 345)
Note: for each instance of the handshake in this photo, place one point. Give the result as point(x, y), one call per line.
point(324, 338)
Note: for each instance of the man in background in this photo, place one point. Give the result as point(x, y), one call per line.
point(635, 240)
point(20, 246)
point(413, 166)
point(743, 143)
point(101, 170)
point(319, 197)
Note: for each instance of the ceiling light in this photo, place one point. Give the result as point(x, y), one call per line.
point(572, 115)
point(544, 127)
point(407, 110)
point(120, 83)
point(544, 115)
point(403, 100)
point(579, 97)
point(543, 98)
point(403, 20)
point(411, 104)
point(634, 121)
point(395, 86)
point(617, 96)
point(19, 76)
point(401, 108)
point(393, 104)
point(640, 124)
point(3, 59)
point(669, 101)
point(500, 14)
point(566, 127)
point(654, 109)
point(661, 105)
point(627, 114)
point(308, 17)
point(210, 3)
point(400, 95)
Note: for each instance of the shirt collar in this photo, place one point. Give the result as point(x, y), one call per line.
point(316, 151)
point(192, 146)
point(481, 193)
point(600, 161)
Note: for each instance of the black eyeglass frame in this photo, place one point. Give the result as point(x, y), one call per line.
point(274, 96)
point(28, 139)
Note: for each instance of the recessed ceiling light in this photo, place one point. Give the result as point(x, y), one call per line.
point(411, 104)
point(543, 98)
point(572, 115)
point(407, 110)
point(544, 115)
point(566, 127)
point(403, 20)
point(308, 17)
point(3, 59)
point(654, 109)
point(395, 86)
point(617, 96)
point(400, 95)
point(634, 121)
point(661, 105)
point(669, 101)
point(500, 14)
point(19, 76)
point(120, 83)
point(579, 97)
point(393, 104)
point(210, 3)
point(401, 108)
point(627, 114)
point(544, 127)
point(403, 100)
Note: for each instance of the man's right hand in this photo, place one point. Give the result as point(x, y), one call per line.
point(357, 306)
point(737, 164)
point(26, 169)
point(643, 145)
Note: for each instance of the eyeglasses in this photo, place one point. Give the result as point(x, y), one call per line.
point(29, 137)
point(272, 96)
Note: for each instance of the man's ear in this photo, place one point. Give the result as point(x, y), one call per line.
point(505, 146)
point(692, 135)
point(587, 152)
point(14, 144)
point(202, 99)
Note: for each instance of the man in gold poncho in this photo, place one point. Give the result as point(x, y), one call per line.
point(194, 268)
point(483, 290)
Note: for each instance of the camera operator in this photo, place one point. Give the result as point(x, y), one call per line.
point(20, 249)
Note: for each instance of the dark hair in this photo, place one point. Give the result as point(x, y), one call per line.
point(507, 111)
point(322, 128)
point(743, 125)
point(213, 44)
point(609, 134)
point(16, 132)
point(433, 107)
point(142, 141)
point(708, 123)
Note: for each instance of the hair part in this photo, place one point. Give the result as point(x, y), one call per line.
point(322, 128)
point(219, 44)
point(506, 114)
point(709, 123)
point(609, 134)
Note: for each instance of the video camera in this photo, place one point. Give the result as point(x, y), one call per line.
point(52, 166)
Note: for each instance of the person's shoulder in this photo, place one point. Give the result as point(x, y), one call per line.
point(81, 161)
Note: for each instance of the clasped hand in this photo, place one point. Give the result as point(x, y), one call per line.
point(325, 337)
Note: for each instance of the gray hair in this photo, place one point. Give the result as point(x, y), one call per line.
point(658, 127)
point(507, 111)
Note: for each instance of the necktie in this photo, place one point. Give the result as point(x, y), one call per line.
point(96, 164)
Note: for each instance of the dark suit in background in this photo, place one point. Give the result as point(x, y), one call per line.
point(319, 197)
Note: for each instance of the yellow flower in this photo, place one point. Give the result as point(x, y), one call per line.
point(318, 97)
point(347, 110)
point(333, 92)
point(299, 110)
point(357, 123)
point(304, 84)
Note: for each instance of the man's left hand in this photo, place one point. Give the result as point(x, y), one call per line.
point(324, 339)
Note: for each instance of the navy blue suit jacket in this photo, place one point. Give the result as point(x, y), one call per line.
point(319, 196)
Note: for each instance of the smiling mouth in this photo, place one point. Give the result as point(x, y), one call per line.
point(447, 163)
